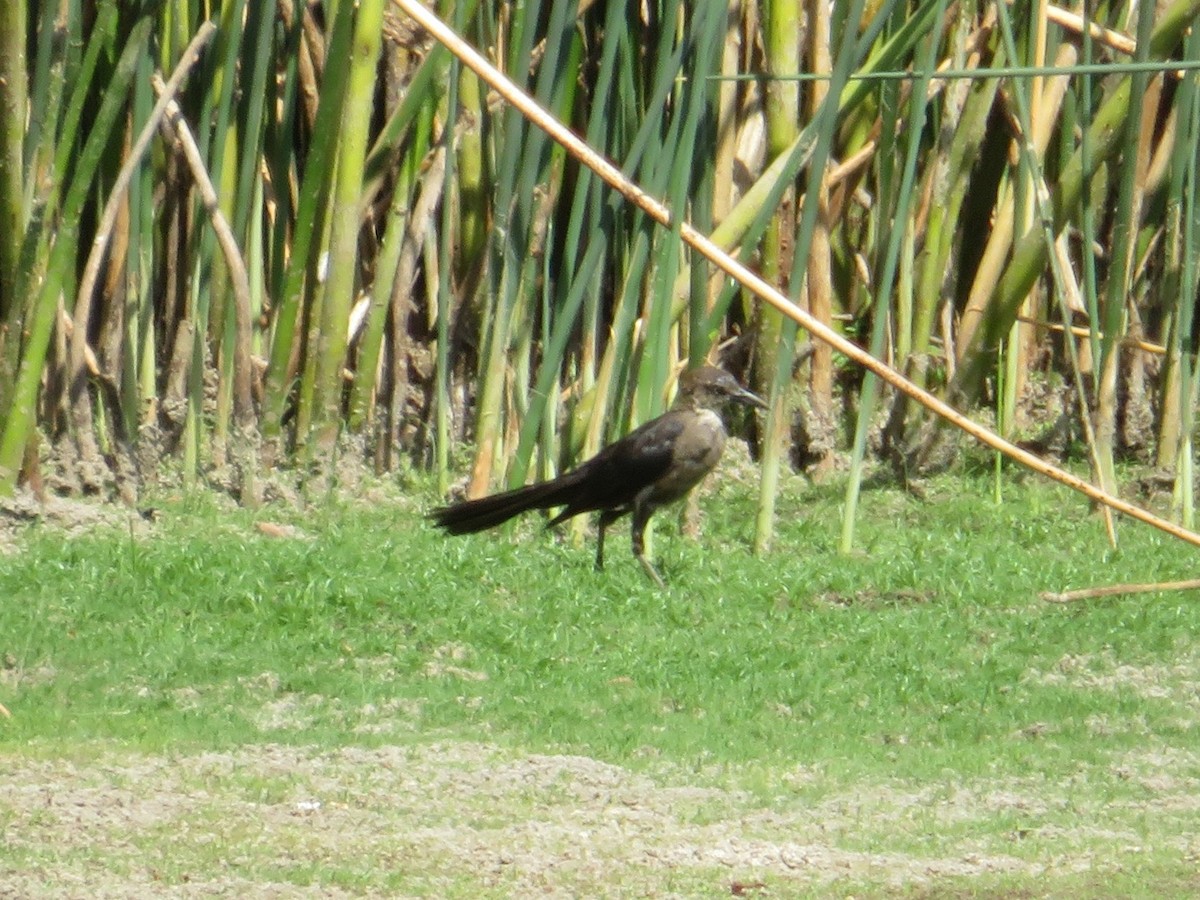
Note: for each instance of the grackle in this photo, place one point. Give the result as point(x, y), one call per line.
point(652, 466)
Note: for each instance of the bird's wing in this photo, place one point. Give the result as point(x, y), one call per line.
point(612, 478)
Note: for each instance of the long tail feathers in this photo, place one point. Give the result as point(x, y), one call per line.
point(487, 512)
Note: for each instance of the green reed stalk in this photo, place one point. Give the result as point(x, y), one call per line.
point(918, 104)
point(300, 285)
point(14, 102)
point(516, 174)
point(777, 336)
point(346, 218)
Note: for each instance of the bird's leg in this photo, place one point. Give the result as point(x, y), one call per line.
point(600, 542)
point(641, 515)
point(607, 517)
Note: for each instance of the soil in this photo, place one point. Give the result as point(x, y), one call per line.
point(267, 820)
point(411, 815)
point(66, 514)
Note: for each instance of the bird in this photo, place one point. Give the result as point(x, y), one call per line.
point(652, 466)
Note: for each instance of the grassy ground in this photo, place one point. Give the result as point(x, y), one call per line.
point(340, 701)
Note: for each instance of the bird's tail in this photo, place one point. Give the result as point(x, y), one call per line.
point(486, 512)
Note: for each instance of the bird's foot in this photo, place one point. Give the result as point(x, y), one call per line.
point(654, 576)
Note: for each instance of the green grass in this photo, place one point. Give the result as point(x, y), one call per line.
point(925, 663)
point(928, 644)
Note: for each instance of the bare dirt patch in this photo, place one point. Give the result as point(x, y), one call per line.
point(452, 819)
point(71, 517)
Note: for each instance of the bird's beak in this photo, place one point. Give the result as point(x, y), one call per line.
point(746, 398)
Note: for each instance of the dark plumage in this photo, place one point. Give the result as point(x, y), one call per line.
point(650, 467)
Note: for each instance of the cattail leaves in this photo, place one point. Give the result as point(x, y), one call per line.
point(409, 268)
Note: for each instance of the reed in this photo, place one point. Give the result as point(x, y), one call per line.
point(409, 269)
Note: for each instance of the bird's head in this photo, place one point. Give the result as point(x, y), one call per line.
point(708, 387)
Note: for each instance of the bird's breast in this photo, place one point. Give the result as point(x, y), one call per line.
point(695, 453)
